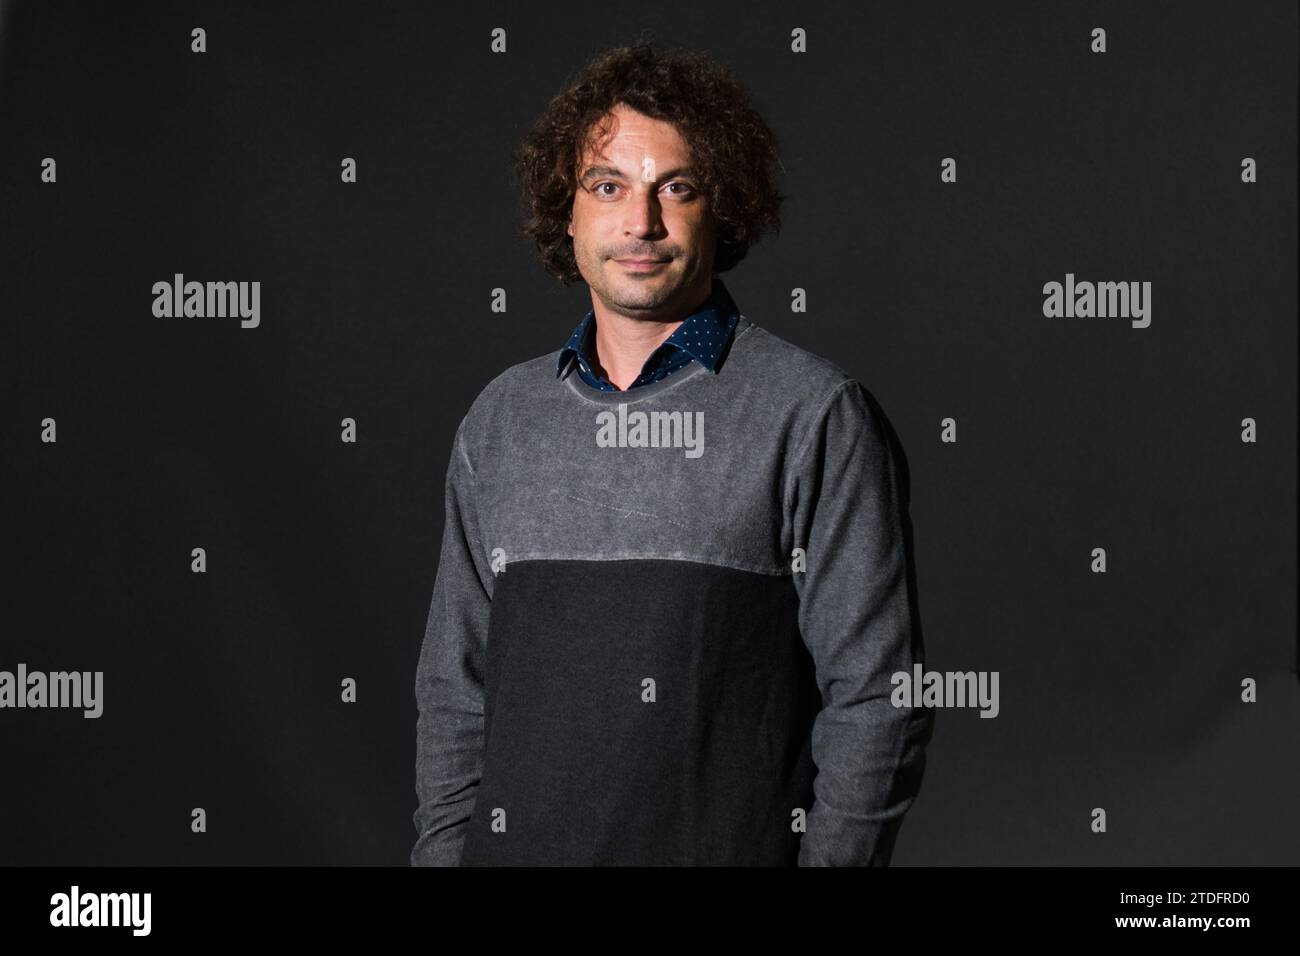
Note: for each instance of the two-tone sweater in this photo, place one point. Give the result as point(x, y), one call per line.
point(665, 623)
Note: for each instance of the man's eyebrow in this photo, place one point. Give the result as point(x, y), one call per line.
point(594, 172)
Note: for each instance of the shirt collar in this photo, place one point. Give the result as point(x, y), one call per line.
point(702, 334)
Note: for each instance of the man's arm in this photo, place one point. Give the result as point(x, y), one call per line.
point(855, 616)
point(449, 678)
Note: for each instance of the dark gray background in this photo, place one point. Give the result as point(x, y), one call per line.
point(222, 690)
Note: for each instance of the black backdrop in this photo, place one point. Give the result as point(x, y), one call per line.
point(1119, 690)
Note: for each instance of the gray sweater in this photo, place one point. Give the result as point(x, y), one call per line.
point(665, 623)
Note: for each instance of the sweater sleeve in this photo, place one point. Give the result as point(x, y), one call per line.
point(449, 677)
point(856, 618)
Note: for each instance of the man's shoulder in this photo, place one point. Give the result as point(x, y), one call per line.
point(820, 396)
point(531, 373)
point(794, 371)
point(512, 388)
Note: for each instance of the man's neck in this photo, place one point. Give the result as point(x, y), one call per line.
point(623, 344)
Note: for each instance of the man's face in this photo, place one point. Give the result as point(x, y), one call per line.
point(638, 199)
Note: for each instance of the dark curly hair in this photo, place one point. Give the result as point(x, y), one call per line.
point(733, 152)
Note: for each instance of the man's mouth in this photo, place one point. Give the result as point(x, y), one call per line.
point(640, 265)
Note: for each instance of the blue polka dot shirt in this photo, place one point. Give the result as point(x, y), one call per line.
point(702, 337)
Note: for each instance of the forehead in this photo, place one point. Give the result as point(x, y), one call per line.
point(625, 134)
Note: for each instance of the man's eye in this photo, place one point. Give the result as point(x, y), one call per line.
point(685, 189)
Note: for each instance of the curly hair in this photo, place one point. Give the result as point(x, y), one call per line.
point(733, 153)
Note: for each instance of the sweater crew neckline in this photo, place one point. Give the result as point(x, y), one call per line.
point(571, 380)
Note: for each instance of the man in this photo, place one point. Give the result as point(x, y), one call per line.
point(673, 582)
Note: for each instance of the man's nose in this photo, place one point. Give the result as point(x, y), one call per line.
point(644, 215)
